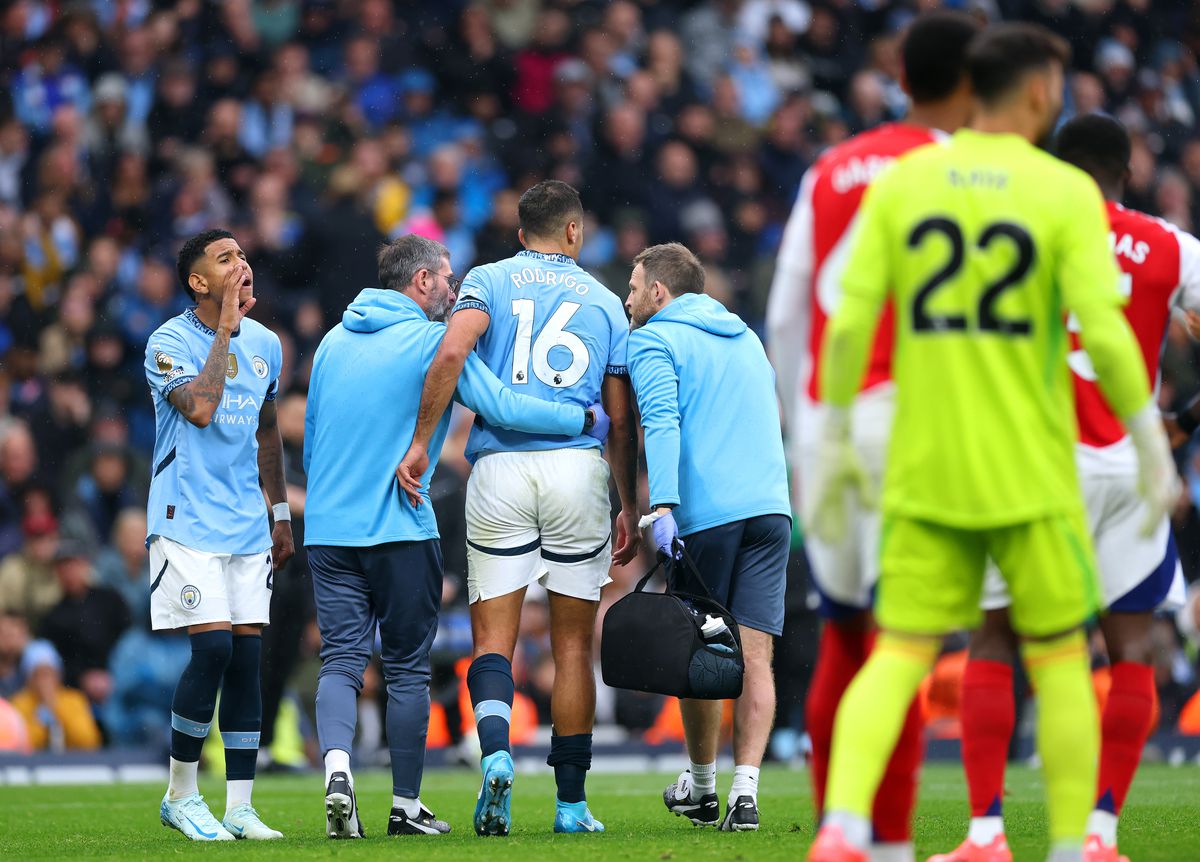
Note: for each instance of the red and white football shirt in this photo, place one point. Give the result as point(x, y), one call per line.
point(1156, 260)
point(812, 256)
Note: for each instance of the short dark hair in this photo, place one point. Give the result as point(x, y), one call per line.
point(1002, 55)
point(672, 265)
point(546, 208)
point(935, 53)
point(1098, 144)
point(192, 251)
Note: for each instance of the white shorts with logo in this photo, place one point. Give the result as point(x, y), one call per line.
point(192, 588)
point(846, 573)
point(538, 516)
point(1116, 513)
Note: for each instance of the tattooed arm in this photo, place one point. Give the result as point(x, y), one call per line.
point(199, 399)
point(270, 454)
point(270, 474)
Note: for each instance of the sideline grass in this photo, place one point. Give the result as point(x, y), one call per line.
point(121, 821)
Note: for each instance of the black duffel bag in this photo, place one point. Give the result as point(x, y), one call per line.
point(652, 642)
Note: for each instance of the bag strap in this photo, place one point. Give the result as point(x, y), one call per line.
point(679, 548)
point(641, 585)
point(667, 564)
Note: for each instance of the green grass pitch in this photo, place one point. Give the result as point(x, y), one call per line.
point(121, 821)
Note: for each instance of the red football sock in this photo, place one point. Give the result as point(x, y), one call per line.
point(841, 654)
point(988, 717)
point(1124, 726)
point(897, 793)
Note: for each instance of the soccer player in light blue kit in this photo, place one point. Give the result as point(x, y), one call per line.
point(214, 374)
point(538, 506)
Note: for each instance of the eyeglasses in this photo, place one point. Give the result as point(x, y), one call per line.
point(451, 280)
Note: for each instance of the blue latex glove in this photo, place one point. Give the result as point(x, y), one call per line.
point(666, 533)
point(600, 426)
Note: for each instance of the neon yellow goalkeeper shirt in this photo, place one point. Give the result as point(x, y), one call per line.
point(984, 244)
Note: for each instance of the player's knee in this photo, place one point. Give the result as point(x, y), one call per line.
point(1137, 648)
point(994, 640)
point(212, 651)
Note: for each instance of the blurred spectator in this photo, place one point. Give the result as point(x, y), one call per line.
point(145, 669)
point(57, 717)
point(27, 583)
point(45, 84)
point(14, 639)
point(751, 76)
point(125, 566)
point(86, 623)
point(106, 489)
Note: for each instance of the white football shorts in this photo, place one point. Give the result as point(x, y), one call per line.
point(846, 573)
point(1115, 512)
point(192, 588)
point(539, 516)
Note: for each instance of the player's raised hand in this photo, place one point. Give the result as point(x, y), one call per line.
point(840, 477)
point(236, 283)
point(628, 538)
point(410, 471)
point(283, 546)
point(1158, 480)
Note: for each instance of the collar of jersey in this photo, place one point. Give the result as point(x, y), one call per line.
point(191, 317)
point(539, 255)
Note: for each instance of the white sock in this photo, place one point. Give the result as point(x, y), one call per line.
point(183, 779)
point(237, 793)
point(745, 783)
point(893, 851)
point(704, 779)
point(411, 807)
point(337, 760)
point(855, 827)
point(983, 830)
point(1104, 824)
point(1066, 852)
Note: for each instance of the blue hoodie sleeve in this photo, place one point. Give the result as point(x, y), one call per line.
point(657, 386)
point(310, 411)
point(481, 391)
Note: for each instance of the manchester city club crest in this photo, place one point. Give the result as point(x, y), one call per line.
point(189, 597)
point(232, 370)
point(260, 367)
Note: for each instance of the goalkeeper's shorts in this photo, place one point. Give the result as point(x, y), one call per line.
point(931, 578)
point(1137, 573)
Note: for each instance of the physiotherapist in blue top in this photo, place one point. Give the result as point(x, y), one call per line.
point(375, 559)
point(714, 450)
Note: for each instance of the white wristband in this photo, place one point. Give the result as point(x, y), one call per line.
point(281, 512)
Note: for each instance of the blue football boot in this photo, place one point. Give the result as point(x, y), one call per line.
point(575, 817)
point(493, 815)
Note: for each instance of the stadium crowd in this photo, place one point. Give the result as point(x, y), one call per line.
point(315, 131)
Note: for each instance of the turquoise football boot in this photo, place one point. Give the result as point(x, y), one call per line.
point(493, 814)
point(575, 817)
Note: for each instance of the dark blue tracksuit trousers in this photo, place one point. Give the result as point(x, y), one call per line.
point(397, 586)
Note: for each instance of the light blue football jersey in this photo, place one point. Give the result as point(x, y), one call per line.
point(204, 493)
point(555, 331)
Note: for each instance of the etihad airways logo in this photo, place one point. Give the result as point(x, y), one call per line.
point(238, 409)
